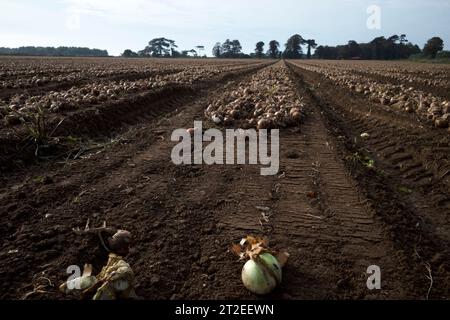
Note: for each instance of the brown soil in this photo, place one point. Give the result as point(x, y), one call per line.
point(184, 218)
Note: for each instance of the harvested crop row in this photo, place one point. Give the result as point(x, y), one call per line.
point(30, 67)
point(22, 106)
point(411, 71)
point(430, 80)
point(433, 80)
point(41, 80)
point(405, 73)
point(398, 97)
point(267, 101)
point(31, 76)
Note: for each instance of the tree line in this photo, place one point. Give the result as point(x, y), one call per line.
point(293, 49)
point(297, 47)
point(164, 48)
point(54, 52)
point(381, 48)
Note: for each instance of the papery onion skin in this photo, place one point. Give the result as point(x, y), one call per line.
point(257, 278)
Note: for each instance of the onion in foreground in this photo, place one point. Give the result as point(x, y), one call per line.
point(263, 272)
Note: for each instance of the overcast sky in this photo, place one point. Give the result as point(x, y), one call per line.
point(116, 25)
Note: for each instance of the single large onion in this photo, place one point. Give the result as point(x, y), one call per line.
point(262, 275)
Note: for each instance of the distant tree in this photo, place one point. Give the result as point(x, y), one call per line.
point(176, 54)
point(259, 50)
point(311, 44)
point(320, 52)
point(403, 39)
point(394, 39)
point(394, 47)
point(353, 50)
point(226, 48)
point(54, 52)
point(217, 50)
point(129, 54)
point(294, 47)
point(411, 49)
point(403, 50)
point(236, 47)
point(443, 55)
point(377, 46)
point(433, 46)
point(159, 47)
point(143, 54)
point(326, 52)
point(231, 49)
point(274, 49)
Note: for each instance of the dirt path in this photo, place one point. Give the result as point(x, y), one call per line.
point(332, 238)
point(335, 216)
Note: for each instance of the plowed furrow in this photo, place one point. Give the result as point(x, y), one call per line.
point(395, 142)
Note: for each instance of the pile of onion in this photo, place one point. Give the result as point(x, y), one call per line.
point(102, 91)
point(267, 101)
point(398, 97)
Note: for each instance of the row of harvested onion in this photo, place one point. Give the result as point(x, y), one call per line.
point(266, 101)
point(23, 82)
point(399, 97)
point(101, 92)
point(29, 73)
point(439, 71)
point(407, 73)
